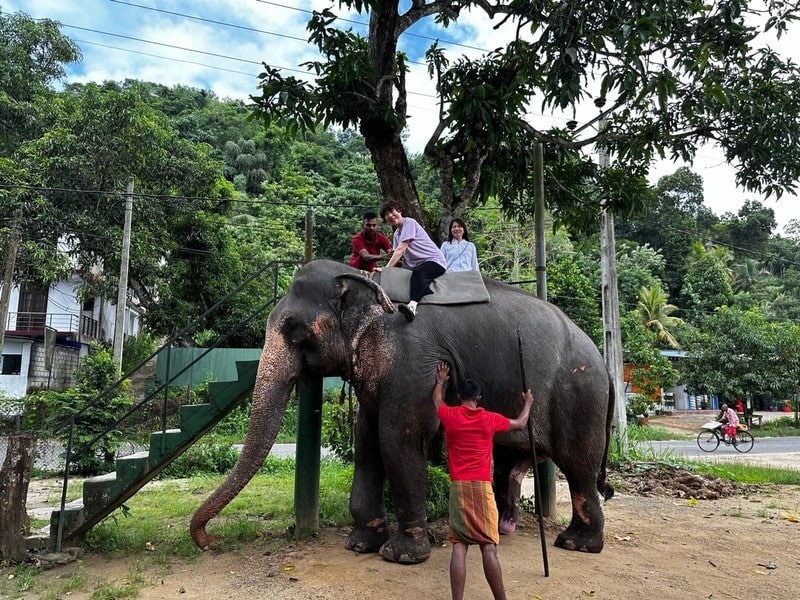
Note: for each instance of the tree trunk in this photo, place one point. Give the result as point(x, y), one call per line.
point(394, 173)
point(15, 476)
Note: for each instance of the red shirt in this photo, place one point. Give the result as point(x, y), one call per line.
point(381, 242)
point(469, 433)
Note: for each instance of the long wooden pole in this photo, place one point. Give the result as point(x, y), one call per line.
point(537, 494)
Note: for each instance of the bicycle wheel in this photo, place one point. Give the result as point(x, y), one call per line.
point(744, 441)
point(708, 440)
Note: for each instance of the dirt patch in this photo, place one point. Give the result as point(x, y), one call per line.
point(669, 534)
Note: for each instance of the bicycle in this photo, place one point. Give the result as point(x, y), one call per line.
point(711, 436)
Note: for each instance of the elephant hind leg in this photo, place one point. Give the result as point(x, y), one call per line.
point(585, 531)
point(410, 546)
point(509, 515)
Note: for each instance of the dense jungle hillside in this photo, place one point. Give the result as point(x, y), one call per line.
point(219, 194)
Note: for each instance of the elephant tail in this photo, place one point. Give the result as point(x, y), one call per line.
point(603, 486)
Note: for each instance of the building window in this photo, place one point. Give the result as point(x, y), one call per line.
point(12, 364)
point(32, 307)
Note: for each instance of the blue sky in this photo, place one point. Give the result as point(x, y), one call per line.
point(220, 45)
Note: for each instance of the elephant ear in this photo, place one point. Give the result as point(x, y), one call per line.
point(348, 280)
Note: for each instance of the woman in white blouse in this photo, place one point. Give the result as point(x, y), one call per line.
point(458, 251)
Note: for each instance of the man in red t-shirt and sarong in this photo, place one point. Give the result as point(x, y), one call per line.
point(369, 245)
point(469, 432)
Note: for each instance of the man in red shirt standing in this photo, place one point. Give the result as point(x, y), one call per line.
point(469, 432)
point(368, 244)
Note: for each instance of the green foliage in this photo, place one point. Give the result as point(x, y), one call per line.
point(740, 353)
point(707, 283)
point(92, 411)
point(741, 472)
point(288, 430)
point(780, 427)
point(233, 428)
point(137, 348)
point(35, 54)
point(338, 418)
point(638, 266)
point(437, 492)
point(626, 449)
point(205, 457)
point(640, 405)
point(650, 370)
point(571, 289)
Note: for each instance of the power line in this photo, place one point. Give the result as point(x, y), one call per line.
point(362, 24)
point(151, 55)
point(203, 52)
point(212, 21)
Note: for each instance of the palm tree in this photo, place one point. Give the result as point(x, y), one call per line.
point(746, 273)
point(656, 313)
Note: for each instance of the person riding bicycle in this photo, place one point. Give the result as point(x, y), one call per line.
point(730, 422)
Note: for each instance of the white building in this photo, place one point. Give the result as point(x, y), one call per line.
point(48, 331)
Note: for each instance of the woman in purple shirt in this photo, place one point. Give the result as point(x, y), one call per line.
point(411, 242)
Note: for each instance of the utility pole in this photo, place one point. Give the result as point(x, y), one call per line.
point(309, 252)
point(612, 336)
point(122, 290)
point(8, 277)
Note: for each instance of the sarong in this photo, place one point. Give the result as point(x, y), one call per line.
point(473, 513)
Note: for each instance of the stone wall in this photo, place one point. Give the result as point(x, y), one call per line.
point(62, 375)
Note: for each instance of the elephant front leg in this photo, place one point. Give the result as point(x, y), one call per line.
point(407, 483)
point(370, 529)
point(410, 544)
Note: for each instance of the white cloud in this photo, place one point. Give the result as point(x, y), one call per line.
point(115, 58)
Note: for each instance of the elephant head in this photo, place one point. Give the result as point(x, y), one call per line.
point(313, 331)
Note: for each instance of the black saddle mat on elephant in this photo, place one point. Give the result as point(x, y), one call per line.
point(465, 287)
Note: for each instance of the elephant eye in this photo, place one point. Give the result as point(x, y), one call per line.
point(295, 332)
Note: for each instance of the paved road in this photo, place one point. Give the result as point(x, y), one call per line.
point(779, 452)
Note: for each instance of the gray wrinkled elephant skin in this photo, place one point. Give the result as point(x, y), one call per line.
point(334, 322)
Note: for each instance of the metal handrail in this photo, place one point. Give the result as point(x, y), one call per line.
point(71, 454)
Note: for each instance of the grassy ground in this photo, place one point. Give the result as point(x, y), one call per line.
point(151, 528)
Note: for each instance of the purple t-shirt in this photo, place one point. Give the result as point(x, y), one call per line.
point(420, 247)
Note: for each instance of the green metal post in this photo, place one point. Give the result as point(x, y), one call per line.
point(306, 479)
point(545, 471)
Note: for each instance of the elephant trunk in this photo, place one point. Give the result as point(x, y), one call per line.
point(278, 370)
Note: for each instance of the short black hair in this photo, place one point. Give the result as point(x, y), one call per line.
point(469, 389)
point(390, 206)
point(370, 215)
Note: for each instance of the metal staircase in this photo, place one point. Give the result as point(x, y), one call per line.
point(105, 493)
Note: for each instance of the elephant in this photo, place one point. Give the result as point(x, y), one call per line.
point(335, 321)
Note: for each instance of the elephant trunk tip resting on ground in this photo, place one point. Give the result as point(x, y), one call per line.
point(333, 321)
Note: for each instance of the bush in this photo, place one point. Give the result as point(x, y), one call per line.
point(203, 458)
point(640, 405)
point(234, 425)
point(437, 493)
point(136, 349)
point(92, 414)
point(338, 417)
point(287, 434)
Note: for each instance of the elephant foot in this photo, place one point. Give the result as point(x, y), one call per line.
point(507, 526)
point(580, 542)
point(407, 550)
point(364, 540)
